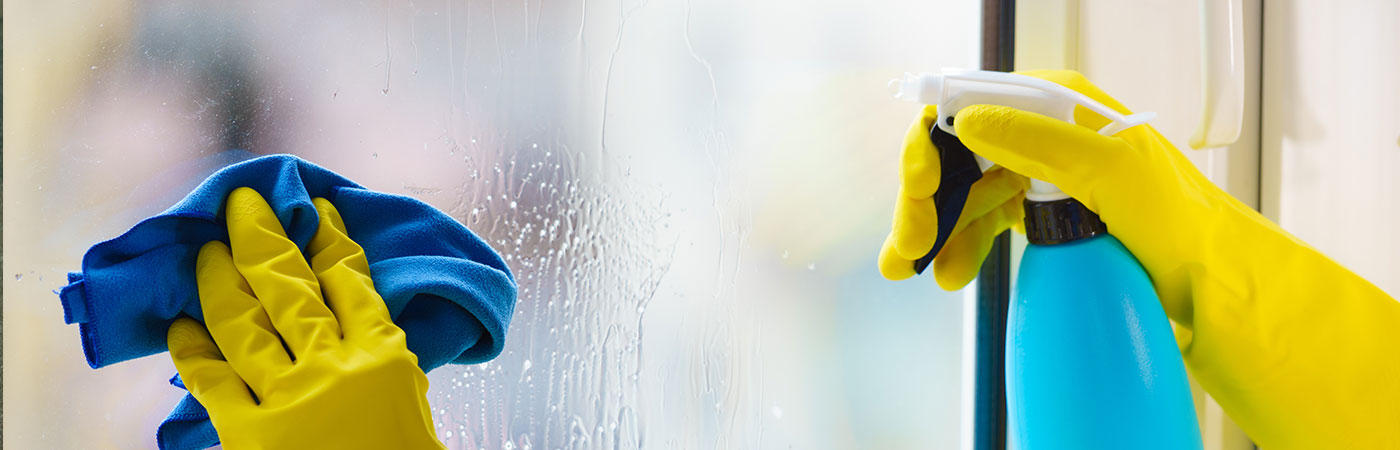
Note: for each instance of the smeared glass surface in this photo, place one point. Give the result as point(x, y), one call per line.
point(691, 195)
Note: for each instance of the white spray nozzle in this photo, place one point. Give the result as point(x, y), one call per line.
point(954, 89)
point(919, 89)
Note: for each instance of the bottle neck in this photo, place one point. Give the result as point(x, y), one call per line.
point(1061, 221)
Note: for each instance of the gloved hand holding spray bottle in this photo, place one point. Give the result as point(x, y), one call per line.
point(1091, 361)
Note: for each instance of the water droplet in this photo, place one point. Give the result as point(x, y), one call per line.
point(512, 204)
point(384, 91)
point(777, 412)
point(526, 366)
point(785, 254)
point(92, 68)
point(812, 266)
point(374, 155)
point(18, 276)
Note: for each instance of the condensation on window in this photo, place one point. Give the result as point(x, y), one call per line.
point(691, 195)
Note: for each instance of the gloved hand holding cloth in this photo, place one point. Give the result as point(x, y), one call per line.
point(449, 293)
point(345, 378)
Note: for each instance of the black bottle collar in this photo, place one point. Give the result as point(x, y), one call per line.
point(1060, 221)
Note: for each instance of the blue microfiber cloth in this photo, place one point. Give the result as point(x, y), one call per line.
point(450, 292)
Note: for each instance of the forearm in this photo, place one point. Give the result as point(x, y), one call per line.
point(1301, 352)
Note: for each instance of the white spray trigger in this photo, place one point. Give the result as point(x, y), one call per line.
point(954, 89)
point(1128, 122)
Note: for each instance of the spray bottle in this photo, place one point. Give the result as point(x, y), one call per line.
point(1091, 362)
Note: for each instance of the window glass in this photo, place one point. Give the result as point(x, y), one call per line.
point(692, 196)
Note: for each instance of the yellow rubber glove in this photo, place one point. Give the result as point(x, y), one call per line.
point(349, 381)
point(1301, 352)
point(993, 205)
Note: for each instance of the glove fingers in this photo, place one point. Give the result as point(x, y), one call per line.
point(892, 266)
point(343, 270)
point(207, 375)
point(915, 226)
point(245, 335)
point(961, 258)
point(920, 166)
point(1040, 147)
point(278, 274)
point(915, 217)
point(991, 193)
point(916, 220)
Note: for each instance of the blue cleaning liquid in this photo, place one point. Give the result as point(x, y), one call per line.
point(1091, 362)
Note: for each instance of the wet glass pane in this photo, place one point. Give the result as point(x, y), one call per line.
point(691, 195)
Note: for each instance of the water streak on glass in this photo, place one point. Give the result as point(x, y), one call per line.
point(691, 195)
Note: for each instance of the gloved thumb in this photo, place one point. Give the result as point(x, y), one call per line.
point(1069, 156)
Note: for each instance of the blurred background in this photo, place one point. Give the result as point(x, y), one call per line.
point(692, 197)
